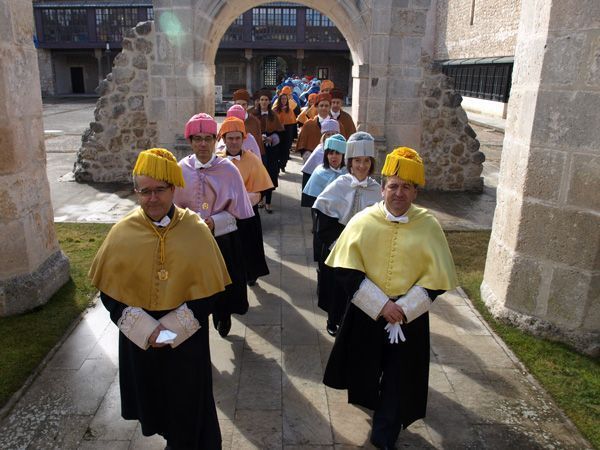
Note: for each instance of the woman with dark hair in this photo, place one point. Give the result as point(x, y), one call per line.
point(332, 166)
point(284, 107)
point(271, 128)
point(334, 207)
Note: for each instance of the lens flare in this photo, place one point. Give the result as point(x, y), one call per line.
point(170, 24)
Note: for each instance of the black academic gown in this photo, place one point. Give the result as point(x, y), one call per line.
point(327, 230)
point(235, 296)
point(169, 390)
point(253, 247)
point(370, 368)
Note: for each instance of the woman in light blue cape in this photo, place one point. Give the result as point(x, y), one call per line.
point(331, 168)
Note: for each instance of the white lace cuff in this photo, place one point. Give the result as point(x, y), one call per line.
point(370, 299)
point(414, 303)
point(137, 325)
point(182, 322)
point(224, 223)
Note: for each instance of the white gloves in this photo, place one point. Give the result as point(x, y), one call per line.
point(394, 332)
point(414, 303)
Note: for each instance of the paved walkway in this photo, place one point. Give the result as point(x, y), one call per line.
point(268, 372)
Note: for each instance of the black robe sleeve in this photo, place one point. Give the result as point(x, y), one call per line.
point(356, 360)
point(328, 228)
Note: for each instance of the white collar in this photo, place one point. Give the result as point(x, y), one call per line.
point(238, 157)
point(165, 221)
point(335, 115)
point(199, 165)
point(389, 216)
point(355, 183)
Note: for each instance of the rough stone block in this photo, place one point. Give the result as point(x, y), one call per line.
point(378, 54)
point(544, 172)
point(568, 297)
point(561, 116)
point(408, 22)
point(123, 75)
point(584, 182)
point(573, 15)
point(376, 111)
point(406, 112)
point(550, 233)
point(21, 293)
point(562, 58)
point(591, 321)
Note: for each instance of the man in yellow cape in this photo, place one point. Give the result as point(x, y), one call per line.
point(160, 272)
point(391, 261)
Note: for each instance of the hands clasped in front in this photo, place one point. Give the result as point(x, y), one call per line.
point(394, 315)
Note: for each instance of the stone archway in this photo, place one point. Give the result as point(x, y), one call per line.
point(165, 74)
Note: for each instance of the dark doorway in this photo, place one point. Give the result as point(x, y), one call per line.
point(77, 80)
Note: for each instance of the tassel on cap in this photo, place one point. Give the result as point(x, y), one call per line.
point(405, 163)
point(160, 164)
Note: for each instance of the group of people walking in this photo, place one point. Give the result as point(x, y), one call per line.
point(195, 245)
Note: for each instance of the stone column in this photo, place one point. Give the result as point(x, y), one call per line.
point(543, 264)
point(248, 56)
point(32, 266)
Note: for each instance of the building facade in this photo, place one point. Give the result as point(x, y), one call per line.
point(78, 40)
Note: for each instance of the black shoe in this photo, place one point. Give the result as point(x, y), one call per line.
point(283, 169)
point(251, 283)
point(331, 329)
point(224, 327)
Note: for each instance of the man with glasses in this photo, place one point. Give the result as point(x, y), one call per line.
point(160, 272)
point(214, 189)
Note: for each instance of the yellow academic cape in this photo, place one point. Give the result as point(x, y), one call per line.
point(255, 175)
point(128, 265)
point(396, 256)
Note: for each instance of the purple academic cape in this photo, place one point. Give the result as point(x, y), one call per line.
point(213, 189)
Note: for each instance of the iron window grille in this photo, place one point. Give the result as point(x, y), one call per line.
point(64, 25)
point(480, 78)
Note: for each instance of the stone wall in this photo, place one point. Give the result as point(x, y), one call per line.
point(492, 33)
point(32, 267)
point(449, 147)
point(543, 264)
point(121, 128)
point(392, 49)
point(46, 72)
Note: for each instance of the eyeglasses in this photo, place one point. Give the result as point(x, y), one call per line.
point(147, 193)
point(205, 139)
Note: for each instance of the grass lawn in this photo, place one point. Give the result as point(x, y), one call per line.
point(28, 337)
point(573, 380)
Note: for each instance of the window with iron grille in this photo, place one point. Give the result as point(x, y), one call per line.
point(319, 28)
point(270, 71)
point(64, 25)
point(274, 24)
point(322, 73)
point(235, 32)
point(150, 13)
point(486, 81)
point(112, 22)
point(316, 19)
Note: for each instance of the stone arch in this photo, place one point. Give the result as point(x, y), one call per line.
point(399, 96)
